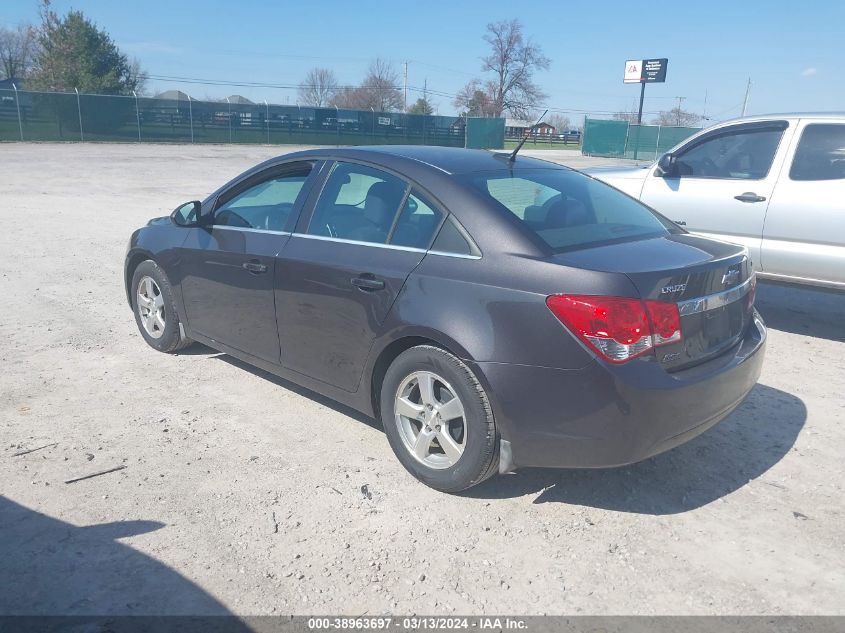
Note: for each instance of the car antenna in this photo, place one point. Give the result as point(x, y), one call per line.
point(525, 138)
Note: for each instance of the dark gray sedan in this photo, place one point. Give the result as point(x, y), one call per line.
point(492, 313)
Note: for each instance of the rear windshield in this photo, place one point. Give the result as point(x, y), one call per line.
point(568, 210)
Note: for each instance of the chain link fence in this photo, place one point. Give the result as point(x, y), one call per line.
point(62, 116)
point(620, 139)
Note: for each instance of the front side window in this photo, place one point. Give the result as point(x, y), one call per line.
point(820, 154)
point(266, 205)
point(569, 210)
point(358, 203)
point(744, 154)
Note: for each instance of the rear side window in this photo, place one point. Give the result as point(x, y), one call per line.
point(569, 210)
point(450, 239)
point(744, 154)
point(358, 203)
point(417, 222)
point(820, 154)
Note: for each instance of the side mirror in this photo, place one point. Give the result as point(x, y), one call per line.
point(187, 214)
point(666, 166)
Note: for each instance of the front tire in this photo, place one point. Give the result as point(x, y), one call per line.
point(438, 419)
point(154, 308)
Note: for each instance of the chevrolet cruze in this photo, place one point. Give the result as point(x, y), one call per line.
point(493, 312)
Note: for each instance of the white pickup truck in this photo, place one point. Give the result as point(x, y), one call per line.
point(774, 183)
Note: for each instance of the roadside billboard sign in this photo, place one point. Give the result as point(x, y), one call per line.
point(645, 71)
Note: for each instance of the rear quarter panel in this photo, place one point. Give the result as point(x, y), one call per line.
point(493, 309)
point(492, 313)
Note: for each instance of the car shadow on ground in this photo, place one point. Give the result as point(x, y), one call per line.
point(802, 310)
point(52, 567)
point(197, 349)
point(301, 391)
point(741, 448)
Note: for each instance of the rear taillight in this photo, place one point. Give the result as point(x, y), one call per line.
point(665, 321)
point(618, 328)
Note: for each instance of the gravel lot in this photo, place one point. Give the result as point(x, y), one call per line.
point(242, 493)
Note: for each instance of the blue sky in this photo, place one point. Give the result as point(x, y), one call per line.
point(793, 52)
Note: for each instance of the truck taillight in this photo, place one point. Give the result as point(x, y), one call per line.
point(618, 328)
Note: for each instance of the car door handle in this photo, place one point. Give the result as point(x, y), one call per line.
point(255, 267)
point(367, 283)
point(750, 196)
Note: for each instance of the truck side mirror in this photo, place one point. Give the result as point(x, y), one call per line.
point(666, 166)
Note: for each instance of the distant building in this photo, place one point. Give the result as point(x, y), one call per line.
point(7, 99)
point(7, 84)
point(173, 95)
point(239, 100)
point(517, 128)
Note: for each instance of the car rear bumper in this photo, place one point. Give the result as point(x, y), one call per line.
point(605, 415)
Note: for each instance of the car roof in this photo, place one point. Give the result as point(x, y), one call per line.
point(449, 160)
point(787, 115)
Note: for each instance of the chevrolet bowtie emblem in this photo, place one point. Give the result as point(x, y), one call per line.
point(730, 277)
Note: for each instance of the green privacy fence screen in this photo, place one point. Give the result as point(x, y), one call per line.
point(620, 139)
point(48, 116)
point(485, 133)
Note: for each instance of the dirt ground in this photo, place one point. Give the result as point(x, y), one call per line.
point(241, 493)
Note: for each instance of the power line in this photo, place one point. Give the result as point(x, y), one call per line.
point(417, 89)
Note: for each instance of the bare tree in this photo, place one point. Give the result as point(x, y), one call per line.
point(513, 61)
point(380, 89)
point(347, 97)
point(318, 87)
point(137, 76)
point(630, 117)
point(559, 122)
point(678, 117)
point(17, 50)
point(474, 100)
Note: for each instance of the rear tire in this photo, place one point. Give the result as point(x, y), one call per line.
point(155, 310)
point(438, 419)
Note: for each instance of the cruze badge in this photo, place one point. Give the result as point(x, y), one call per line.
point(730, 277)
point(665, 290)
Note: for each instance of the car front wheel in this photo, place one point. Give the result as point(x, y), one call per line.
point(155, 314)
point(438, 420)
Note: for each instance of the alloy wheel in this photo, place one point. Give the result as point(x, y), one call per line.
point(430, 418)
point(151, 307)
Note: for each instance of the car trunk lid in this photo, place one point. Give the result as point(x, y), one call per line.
point(709, 281)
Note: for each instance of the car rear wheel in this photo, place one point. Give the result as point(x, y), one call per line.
point(438, 420)
point(155, 314)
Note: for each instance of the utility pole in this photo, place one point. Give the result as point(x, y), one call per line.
point(704, 112)
point(640, 111)
point(680, 100)
point(639, 120)
point(745, 102)
point(405, 90)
